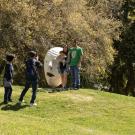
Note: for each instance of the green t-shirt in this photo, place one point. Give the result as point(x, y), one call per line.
point(75, 54)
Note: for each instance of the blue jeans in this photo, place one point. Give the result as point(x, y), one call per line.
point(8, 90)
point(75, 75)
point(7, 94)
point(34, 84)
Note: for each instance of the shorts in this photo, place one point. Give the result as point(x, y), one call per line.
point(62, 70)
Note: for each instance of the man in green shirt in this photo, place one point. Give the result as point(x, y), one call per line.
point(75, 62)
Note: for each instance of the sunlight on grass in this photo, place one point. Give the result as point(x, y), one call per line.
point(83, 112)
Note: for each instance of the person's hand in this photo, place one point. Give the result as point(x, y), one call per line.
point(12, 81)
point(37, 57)
point(79, 65)
point(68, 69)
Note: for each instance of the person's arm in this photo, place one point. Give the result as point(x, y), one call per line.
point(79, 63)
point(68, 57)
point(81, 54)
point(8, 71)
point(39, 64)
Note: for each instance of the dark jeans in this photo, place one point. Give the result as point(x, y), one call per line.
point(34, 84)
point(75, 75)
point(7, 94)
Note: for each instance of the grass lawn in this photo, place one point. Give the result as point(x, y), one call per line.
point(83, 112)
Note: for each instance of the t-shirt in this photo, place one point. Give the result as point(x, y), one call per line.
point(75, 54)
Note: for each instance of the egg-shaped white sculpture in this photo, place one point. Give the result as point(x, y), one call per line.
point(51, 66)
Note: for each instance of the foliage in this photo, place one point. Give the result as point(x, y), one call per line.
point(122, 73)
point(39, 25)
point(131, 12)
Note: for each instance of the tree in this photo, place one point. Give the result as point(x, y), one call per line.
point(123, 75)
point(40, 24)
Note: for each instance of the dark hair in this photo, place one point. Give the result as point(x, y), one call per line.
point(67, 49)
point(62, 52)
point(10, 57)
point(32, 53)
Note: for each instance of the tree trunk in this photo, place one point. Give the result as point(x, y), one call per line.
point(129, 89)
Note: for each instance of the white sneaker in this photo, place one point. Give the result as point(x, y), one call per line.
point(20, 102)
point(23, 101)
point(33, 104)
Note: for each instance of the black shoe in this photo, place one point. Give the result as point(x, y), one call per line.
point(62, 89)
point(65, 88)
point(10, 100)
point(5, 102)
point(72, 88)
point(76, 88)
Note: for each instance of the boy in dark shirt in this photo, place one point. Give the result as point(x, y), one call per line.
point(8, 78)
point(32, 77)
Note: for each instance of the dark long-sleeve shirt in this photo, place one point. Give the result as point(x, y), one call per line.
point(32, 66)
point(8, 74)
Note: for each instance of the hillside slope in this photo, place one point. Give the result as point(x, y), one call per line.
point(83, 112)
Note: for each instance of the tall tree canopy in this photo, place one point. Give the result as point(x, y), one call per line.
point(41, 24)
point(123, 70)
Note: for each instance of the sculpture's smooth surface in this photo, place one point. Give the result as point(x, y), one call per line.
point(51, 65)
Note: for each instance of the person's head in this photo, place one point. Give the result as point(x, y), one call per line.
point(75, 42)
point(10, 57)
point(65, 48)
point(62, 53)
point(32, 54)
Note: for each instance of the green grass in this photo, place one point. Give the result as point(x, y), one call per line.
point(83, 112)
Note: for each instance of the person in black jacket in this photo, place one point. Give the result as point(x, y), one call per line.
point(32, 77)
point(8, 78)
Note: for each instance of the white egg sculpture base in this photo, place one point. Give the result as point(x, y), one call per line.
point(51, 66)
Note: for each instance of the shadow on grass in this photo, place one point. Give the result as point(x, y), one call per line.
point(15, 107)
point(2, 103)
point(55, 90)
